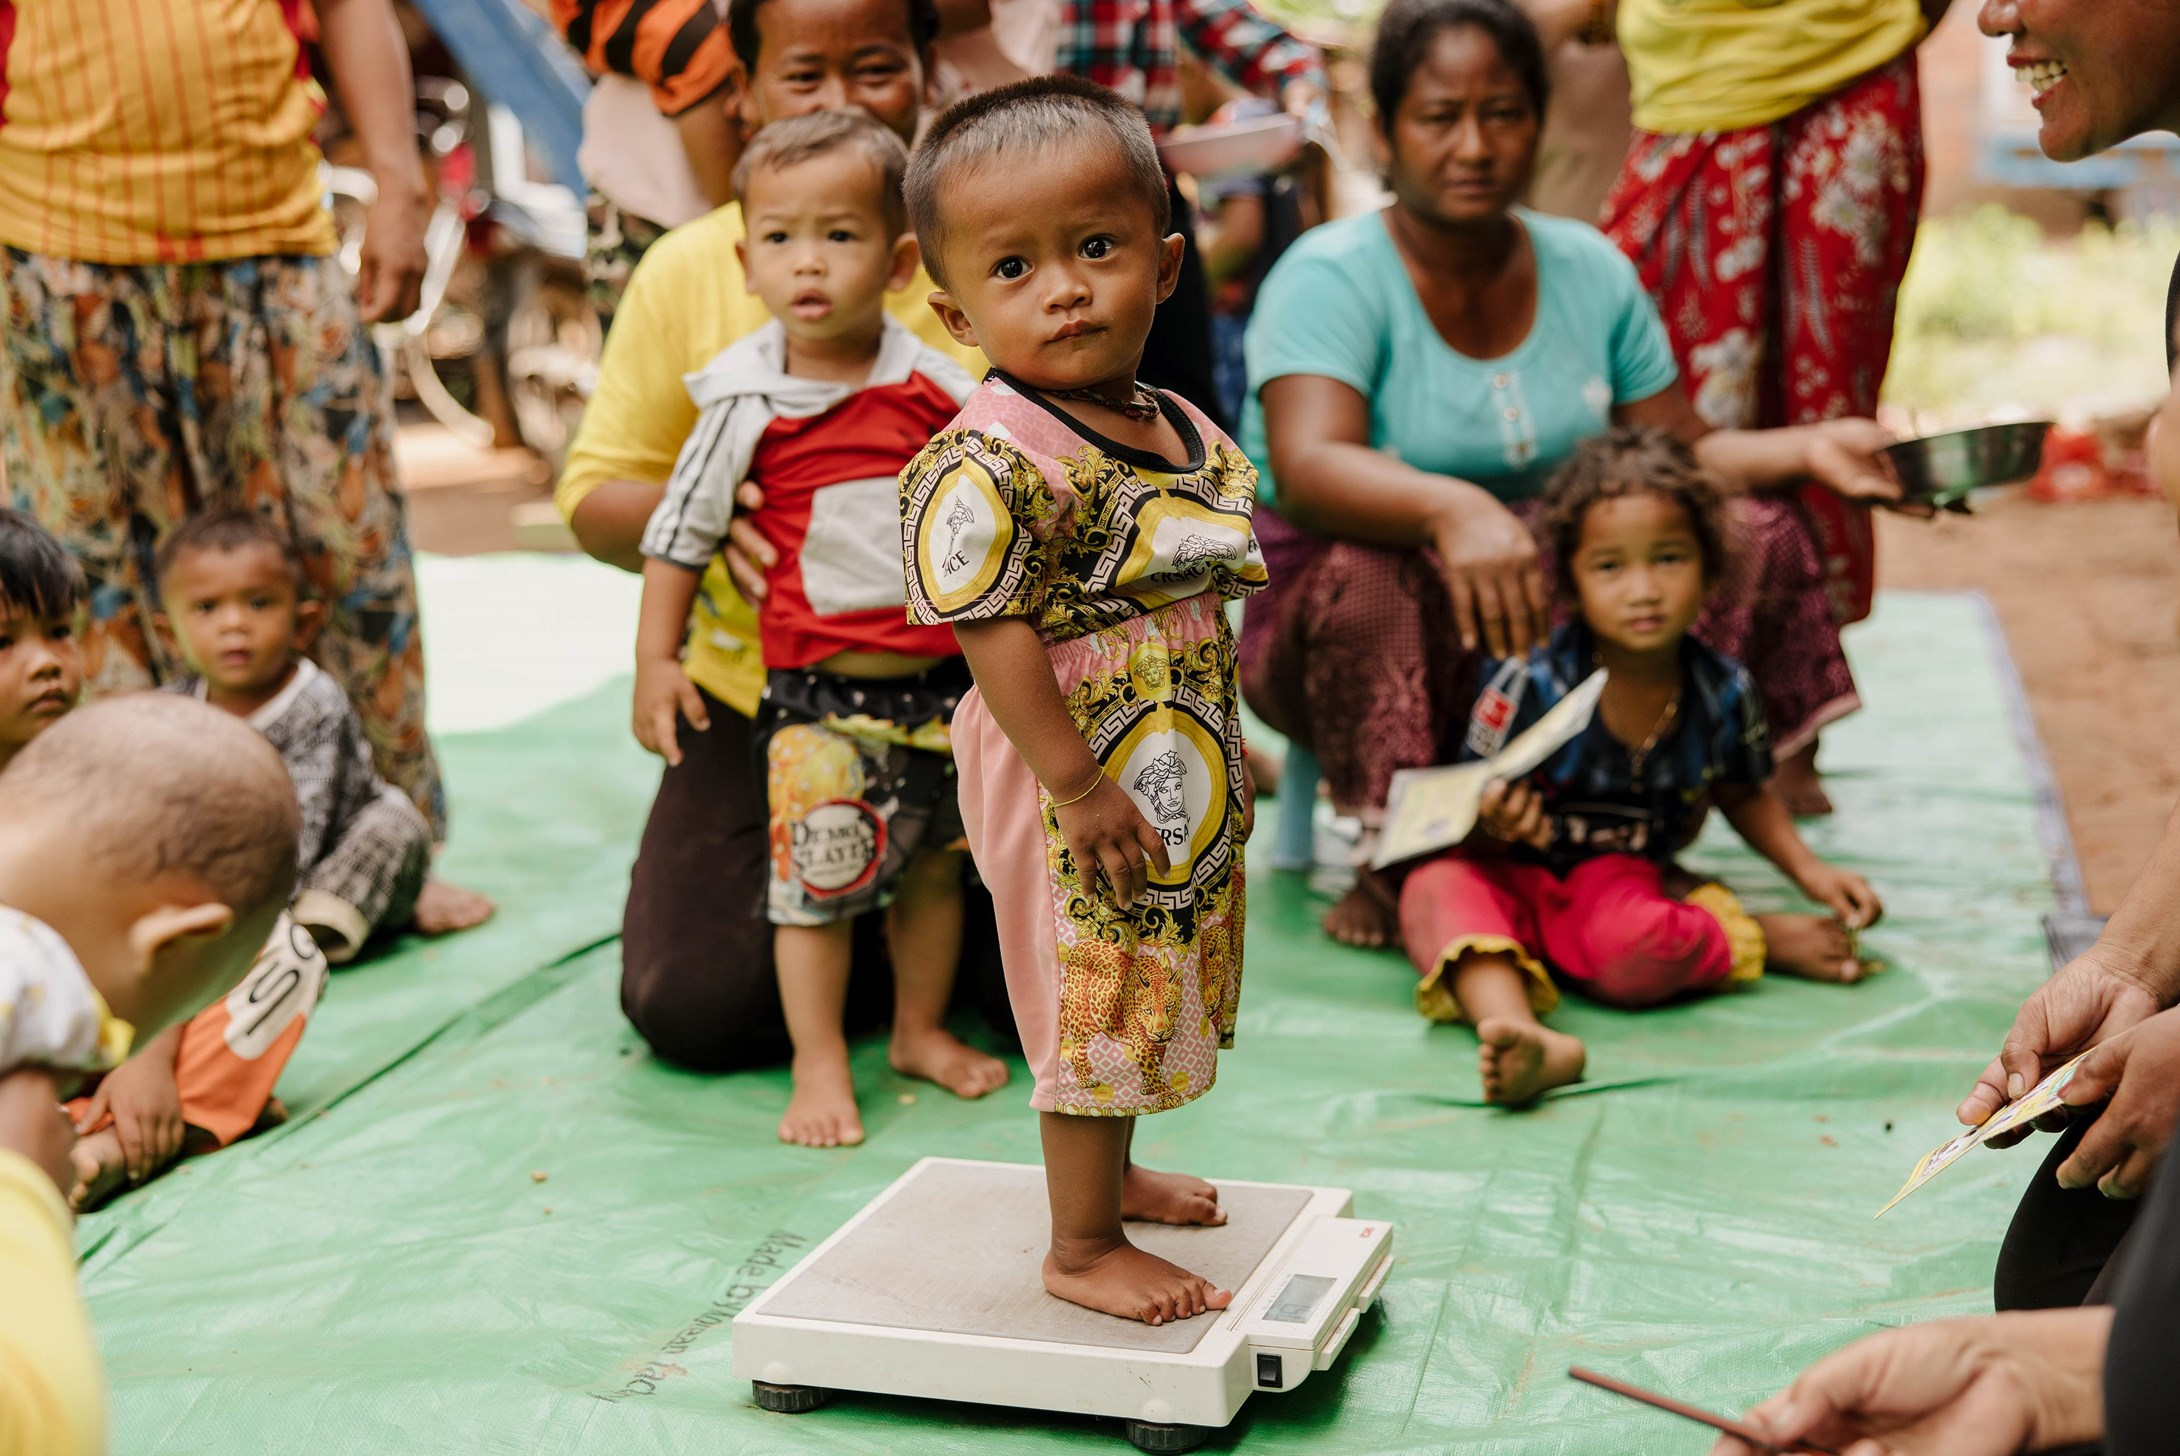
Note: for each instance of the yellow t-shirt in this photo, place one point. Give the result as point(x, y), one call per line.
point(175, 132)
point(684, 303)
point(1720, 65)
point(52, 1386)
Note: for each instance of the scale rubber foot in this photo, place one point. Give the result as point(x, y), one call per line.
point(795, 1400)
point(1158, 1436)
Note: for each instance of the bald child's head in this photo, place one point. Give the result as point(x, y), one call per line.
point(158, 836)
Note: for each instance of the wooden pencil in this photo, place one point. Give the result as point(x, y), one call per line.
point(1750, 1434)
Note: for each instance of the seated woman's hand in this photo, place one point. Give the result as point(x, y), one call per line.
point(749, 555)
point(2093, 998)
point(1963, 1387)
point(1489, 560)
point(1845, 458)
point(1514, 814)
point(1105, 832)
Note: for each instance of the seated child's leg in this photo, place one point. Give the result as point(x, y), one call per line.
point(1091, 1262)
point(229, 1059)
point(813, 969)
point(1467, 925)
point(1612, 927)
point(923, 931)
point(369, 879)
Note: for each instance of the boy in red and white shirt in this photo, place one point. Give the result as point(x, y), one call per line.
point(819, 410)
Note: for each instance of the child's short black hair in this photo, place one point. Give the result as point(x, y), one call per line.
point(798, 139)
point(226, 530)
point(923, 28)
point(37, 575)
point(1627, 462)
point(1407, 28)
point(1045, 111)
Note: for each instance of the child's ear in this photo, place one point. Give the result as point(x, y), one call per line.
point(164, 626)
point(1169, 265)
point(170, 925)
point(741, 256)
point(957, 322)
point(309, 617)
point(907, 258)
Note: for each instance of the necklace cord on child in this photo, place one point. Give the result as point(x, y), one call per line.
point(1141, 405)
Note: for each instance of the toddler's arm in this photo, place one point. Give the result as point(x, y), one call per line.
point(1760, 816)
point(1104, 830)
point(663, 690)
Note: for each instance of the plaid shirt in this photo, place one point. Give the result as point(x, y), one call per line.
point(1131, 45)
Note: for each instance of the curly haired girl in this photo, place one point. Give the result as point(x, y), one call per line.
point(1571, 869)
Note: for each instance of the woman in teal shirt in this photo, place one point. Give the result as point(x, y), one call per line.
point(1417, 374)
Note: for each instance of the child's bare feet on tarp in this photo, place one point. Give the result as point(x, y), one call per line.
point(1117, 1278)
point(822, 1112)
point(1521, 1061)
point(937, 1055)
point(1152, 1197)
point(102, 1170)
point(1813, 947)
point(443, 908)
point(1366, 916)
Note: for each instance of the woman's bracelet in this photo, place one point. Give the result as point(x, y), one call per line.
point(1095, 779)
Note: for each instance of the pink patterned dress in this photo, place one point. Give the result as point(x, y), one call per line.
point(1123, 562)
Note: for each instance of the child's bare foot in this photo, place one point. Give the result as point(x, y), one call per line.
point(1117, 1278)
point(1521, 1061)
point(1813, 947)
point(822, 1113)
point(101, 1171)
point(1168, 1197)
point(1366, 916)
point(442, 909)
point(1796, 780)
point(937, 1055)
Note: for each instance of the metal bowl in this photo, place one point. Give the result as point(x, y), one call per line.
point(1942, 469)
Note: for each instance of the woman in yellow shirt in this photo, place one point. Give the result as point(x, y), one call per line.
point(1770, 201)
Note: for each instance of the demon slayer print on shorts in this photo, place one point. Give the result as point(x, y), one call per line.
point(859, 776)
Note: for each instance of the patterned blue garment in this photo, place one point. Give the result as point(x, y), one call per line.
point(1600, 798)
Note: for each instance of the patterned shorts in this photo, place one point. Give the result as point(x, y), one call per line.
point(859, 774)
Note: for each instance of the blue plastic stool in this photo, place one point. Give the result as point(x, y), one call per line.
point(1294, 843)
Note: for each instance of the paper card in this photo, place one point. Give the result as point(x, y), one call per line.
point(2025, 1109)
point(1430, 808)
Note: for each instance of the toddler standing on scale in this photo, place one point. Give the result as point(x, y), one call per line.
point(817, 410)
point(1083, 532)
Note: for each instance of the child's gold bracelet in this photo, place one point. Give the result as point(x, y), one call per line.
point(1095, 779)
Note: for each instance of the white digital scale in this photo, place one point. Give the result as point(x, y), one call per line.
point(935, 1289)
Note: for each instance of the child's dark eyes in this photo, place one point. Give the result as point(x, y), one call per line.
point(1098, 247)
point(776, 236)
point(842, 235)
point(1010, 268)
point(61, 632)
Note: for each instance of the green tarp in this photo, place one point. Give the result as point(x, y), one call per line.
point(388, 1274)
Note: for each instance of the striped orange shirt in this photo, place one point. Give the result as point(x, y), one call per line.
point(679, 48)
point(158, 131)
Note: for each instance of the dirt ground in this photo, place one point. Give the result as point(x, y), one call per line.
point(2089, 597)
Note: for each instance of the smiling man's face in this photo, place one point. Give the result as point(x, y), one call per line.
point(2101, 71)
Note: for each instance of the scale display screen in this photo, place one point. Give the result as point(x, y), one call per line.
point(1293, 1304)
